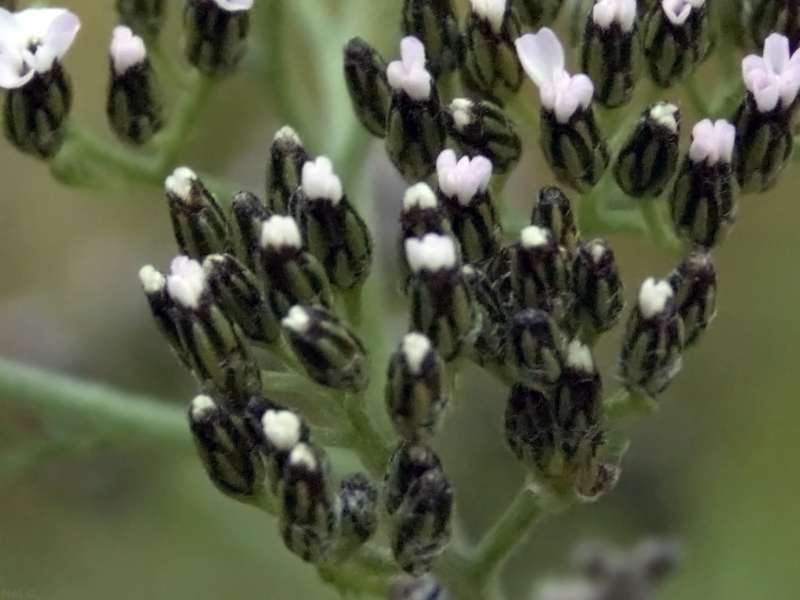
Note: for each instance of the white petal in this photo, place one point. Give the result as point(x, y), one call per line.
point(541, 55)
point(319, 182)
point(412, 51)
point(234, 5)
point(61, 33)
point(127, 50)
point(776, 52)
point(12, 63)
point(11, 32)
point(446, 172)
point(491, 11)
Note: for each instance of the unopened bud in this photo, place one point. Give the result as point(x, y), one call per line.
point(536, 348)
point(247, 214)
point(410, 461)
point(277, 430)
point(598, 285)
point(553, 211)
point(694, 282)
point(164, 310)
point(145, 17)
point(286, 159)
point(216, 34)
point(435, 24)
point(365, 76)
point(357, 510)
point(535, 13)
point(489, 346)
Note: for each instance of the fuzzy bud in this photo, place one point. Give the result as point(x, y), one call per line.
point(410, 461)
point(694, 282)
point(216, 34)
point(357, 510)
point(365, 76)
point(598, 285)
point(246, 215)
point(536, 348)
point(286, 159)
point(145, 17)
point(435, 24)
point(553, 211)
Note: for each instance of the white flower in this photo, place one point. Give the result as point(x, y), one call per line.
point(712, 141)
point(280, 231)
point(431, 252)
point(491, 11)
point(127, 50)
point(773, 79)
point(234, 5)
point(463, 178)
point(542, 57)
point(653, 297)
point(319, 182)
point(677, 11)
point(409, 73)
point(31, 41)
point(623, 12)
point(186, 281)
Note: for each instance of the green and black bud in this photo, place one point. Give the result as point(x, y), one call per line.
point(649, 159)
point(332, 230)
point(356, 509)
point(216, 34)
point(330, 352)
point(198, 222)
point(652, 346)
point(246, 218)
point(133, 106)
point(481, 128)
point(435, 24)
point(536, 348)
point(410, 461)
point(416, 394)
point(489, 346)
point(694, 282)
point(145, 17)
point(286, 159)
point(535, 13)
point(164, 310)
point(370, 93)
point(553, 211)
point(598, 286)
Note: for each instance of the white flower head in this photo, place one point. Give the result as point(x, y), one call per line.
point(432, 252)
point(409, 73)
point(31, 41)
point(234, 5)
point(280, 231)
point(677, 11)
point(774, 77)
point(282, 428)
point(464, 178)
point(712, 141)
point(653, 297)
point(319, 182)
point(186, 281)
point(420, 195)
point(127, 50)
point(415, 347)
point(491, 11)
point(607, 12)
point(542, 57)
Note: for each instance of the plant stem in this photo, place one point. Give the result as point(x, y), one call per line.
point(365, 439)
point(627, 404)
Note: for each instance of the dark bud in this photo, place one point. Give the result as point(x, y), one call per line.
point(357, 510)
point(246, 218)
point(598, 286)
point(649, 159)
point(694, 282)
point(145, 17)
point(198, 222)
point(416, 395)
point(536, 348)
point(435, 24)
point(286, 159)
point(330, 352)
point(653, 343)
point(365, 76)
point(216, 37)
point(482, 128)
point(553, 211)
point(702, 201)
point(535, 13)
point(133, 107)
point(410, 461)
point(489, 346)
point(164, 310)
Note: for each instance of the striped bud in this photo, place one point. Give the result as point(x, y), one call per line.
point(225, 448)
point(247, 214)
point(145, 17)
point(330, 352)
point(409, 462)
point(215, 33)
point(598, 286)
point(649, 158)
point(416, 396)
point(164, 310)
point(435, 24)
point(286, 159)
point(307, 519)
point(356, 510)
point(702, 201)
point(332, 230)
point(491, 68)
point(489, 346)
point(198, 222)
point(365, 76)
point(694, 282)
point(482, 128)
point(535, 13)
point(536, 348)
point(553, 211)
point(133, 106)
point(652, 346)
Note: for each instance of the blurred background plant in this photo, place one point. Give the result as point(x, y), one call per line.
point(108, 512)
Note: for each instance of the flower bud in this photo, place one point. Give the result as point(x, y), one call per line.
point(415, 131)
point(164, 310)
point(307, 519)
point(649, 159)
point(435, 24)
point(610, 51)
point(702, 201)
point(416, 394)
point(247, 215)
point(410, 461)
point(464, 190)
point(481, 128)
point(694, 282)
point(145, 17)
point(598, 286)
point(133, 107)
point(442, 306)
point(286, 159)
point(365, 76)
point(652, 346)
point(332, 230)
point(331, 353)
point(216, 34)
point(676, 37)
point(356, 510)
point(225, 449)
point(198, 222)
point(536, 348)
point(238, 293)
point(491, 68)
point(535, 13)
point(277, 431)
point(489, 346)
point(552, 211)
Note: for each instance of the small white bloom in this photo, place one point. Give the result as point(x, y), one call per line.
point(127, 50)
point(431, 252)
point(282, 428)
point(622, 12)
point(712, 141)
point(463, 178)
point(409, 73)
point(491, 11)
point(287, 134)
point(416, 347)
point(180, 183)
point(319, 182)
point(534, 237)
point(303, 456)
point(677, 11)
point(297, 319)
point(31, 41)
point(152, 280)
point(186, 281)
point(542, 57)
point(774, 78)
point(653, 297)
point(234, 5)
point(202, 406)
point(419, 195)
point(579, 357)
point(280, 231)
point(462, 111)
point(666, 115)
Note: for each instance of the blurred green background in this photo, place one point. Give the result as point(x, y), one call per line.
point(716, 469)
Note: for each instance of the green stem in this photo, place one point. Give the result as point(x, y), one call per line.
point(185, 115)
point(166, 65)
point(627, 404)
point(365, 439)
point(525, 111)
point(695, 95)
point(657, 228)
